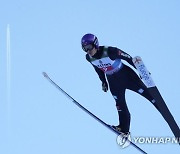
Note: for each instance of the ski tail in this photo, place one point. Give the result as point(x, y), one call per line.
point(154, 92)
point(163, 109)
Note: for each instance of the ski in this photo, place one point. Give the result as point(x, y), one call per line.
point(88, 112)
point(159, 101)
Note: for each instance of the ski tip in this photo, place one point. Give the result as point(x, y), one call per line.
point(45, 74)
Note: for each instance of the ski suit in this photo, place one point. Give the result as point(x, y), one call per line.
point(107, 63)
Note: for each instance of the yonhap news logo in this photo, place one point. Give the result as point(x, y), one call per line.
point(125, 141)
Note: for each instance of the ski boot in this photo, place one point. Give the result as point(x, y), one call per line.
point(125, 135)
point(124, 138)
point(117, 128)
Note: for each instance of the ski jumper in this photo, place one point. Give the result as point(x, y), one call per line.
point(107, 63)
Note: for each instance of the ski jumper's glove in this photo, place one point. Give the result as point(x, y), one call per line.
point(105, 86)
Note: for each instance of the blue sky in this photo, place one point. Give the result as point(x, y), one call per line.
point(45, 36)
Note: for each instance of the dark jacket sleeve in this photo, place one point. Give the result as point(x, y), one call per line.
point(115, 53)
point(99, 71)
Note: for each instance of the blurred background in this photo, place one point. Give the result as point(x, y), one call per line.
point(37, 36)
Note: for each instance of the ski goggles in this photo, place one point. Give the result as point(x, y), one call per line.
point(88, 47)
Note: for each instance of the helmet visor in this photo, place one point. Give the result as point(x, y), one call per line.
point(88, 47)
